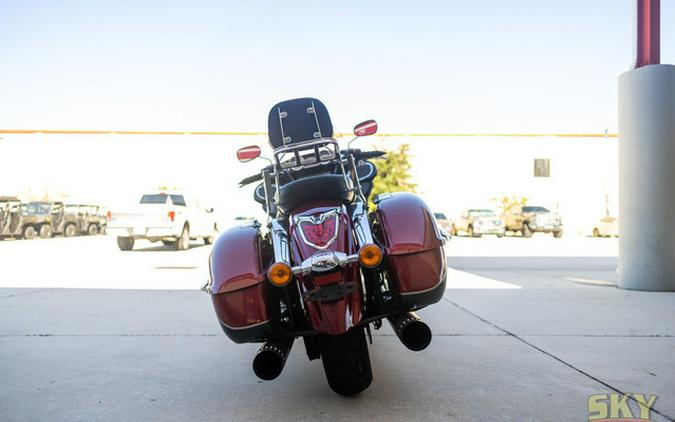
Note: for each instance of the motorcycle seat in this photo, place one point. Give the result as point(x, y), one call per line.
point(323, 186)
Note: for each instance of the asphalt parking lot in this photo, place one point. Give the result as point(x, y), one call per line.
point(528, 330)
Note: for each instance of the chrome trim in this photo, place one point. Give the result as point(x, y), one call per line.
point(316, 119)
point(206, 288)
point(340, 258)
point(282, 114)
point(306, 144)
point(324, 261)
point(280, 243)
point(311, 146)
point(361, 225)
point(245, 326)
point(318, 220)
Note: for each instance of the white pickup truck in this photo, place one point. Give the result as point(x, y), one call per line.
point(170, 217)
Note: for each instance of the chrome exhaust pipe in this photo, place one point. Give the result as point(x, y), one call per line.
point(414, 333)
point(271, 358)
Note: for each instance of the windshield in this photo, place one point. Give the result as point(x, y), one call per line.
point(37, 208)
point(481, 213)
point(159, 198)
point(534, 209)
point(178, 200)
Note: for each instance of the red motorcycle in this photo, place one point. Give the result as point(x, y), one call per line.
point(323, 267)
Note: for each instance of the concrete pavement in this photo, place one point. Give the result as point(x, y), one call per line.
point(524, 336)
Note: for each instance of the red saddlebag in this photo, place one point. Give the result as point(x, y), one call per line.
point(239, 289)
point(413, 244)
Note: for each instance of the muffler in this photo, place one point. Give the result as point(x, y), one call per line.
point(414, 333)
point(271, 358)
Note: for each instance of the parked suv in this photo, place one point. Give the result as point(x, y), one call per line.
point(74, 220)
point(528, 219)
point(36, 219)
point(477, 222)
point(169, 217)
point(445, 223)
point(93, 221)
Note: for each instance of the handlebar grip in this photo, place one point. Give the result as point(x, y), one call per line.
point(371, 154)
point(250, 179)
point(362, 155)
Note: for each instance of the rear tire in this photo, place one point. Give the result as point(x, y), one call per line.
point(209, 239)
point(526, 231)
point(558, 234)
point(596, 232)
point(183, 241)
point(92, 230)
point(346, 361)
point(125, 243)
point(70, 230)
point(29, 233)
point(45, 232)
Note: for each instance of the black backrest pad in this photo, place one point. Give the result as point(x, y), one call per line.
point(301, 119)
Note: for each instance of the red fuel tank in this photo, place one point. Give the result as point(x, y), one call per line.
point(413, 244)
point(239, 289)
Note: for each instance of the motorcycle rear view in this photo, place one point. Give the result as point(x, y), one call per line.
point(322, 267)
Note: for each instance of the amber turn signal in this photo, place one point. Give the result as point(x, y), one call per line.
point(370, 255)
point(279, 274)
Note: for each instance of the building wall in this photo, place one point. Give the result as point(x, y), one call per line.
point(452, 173)
point(456, 173)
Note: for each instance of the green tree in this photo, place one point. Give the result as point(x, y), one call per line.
point(393, 172)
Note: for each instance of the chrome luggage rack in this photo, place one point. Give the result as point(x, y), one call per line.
point(307, 154)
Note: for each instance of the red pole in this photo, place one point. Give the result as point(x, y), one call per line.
point(648, 32)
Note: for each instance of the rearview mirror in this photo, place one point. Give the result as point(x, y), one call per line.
point(369, 127)
point(246, 154)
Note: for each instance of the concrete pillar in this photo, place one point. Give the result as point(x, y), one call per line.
point(647, 178)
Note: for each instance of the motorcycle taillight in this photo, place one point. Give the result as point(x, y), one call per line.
point(319, 234)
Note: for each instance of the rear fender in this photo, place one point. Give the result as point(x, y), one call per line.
point(332, 300)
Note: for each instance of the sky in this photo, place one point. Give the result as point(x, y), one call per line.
point(416, 67)
point(423, 66)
